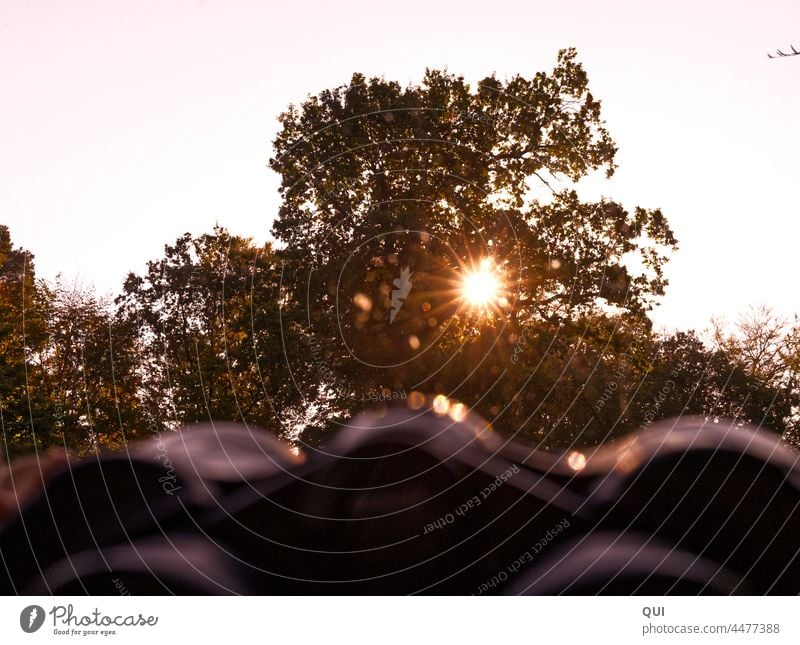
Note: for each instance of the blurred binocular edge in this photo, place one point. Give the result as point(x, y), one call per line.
point(405, 501)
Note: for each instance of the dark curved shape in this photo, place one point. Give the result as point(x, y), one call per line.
point(408, 501)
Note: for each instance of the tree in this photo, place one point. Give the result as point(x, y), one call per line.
point(432, 180)
point(23, 417)
point(766, 349)
point(209, 334)
point(89, 371)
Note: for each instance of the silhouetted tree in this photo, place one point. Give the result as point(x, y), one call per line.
point(89, 371)
point(209, 335)
point(23, 405)
point(431, 179)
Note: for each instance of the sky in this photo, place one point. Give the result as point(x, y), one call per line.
point(123, 125)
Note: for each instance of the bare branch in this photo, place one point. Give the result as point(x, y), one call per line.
point(780, 54)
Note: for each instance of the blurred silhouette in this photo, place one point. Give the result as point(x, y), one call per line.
point(418, 497)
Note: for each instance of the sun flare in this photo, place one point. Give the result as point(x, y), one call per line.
point(481, 286)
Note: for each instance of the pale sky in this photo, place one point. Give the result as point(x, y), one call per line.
point(121, 128)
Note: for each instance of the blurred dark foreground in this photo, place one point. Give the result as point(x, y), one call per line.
point(410, 501)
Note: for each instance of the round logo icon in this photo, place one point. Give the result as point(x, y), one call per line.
point(31, 618)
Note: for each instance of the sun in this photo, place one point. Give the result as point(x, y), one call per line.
point(481, 286)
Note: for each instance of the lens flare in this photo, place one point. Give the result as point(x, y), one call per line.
point(441, 404)
point(576, 460)
point(481, 286)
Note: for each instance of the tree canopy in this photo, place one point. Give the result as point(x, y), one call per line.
point(434, 179)
point(431, 239)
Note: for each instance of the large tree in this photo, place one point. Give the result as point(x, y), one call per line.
point(393, 195)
